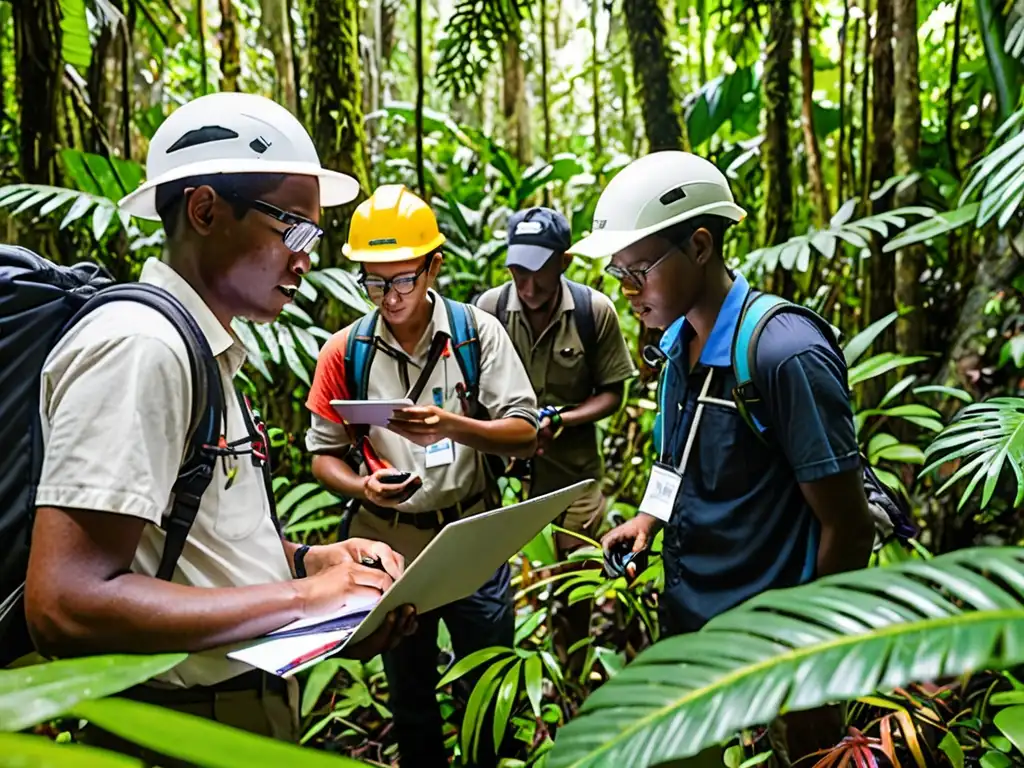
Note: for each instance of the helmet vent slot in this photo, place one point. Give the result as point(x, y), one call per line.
point(672, 196)
point(203, 135)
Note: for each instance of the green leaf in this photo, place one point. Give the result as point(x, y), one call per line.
point(959, 394)
point(909, 454)
point(858, 345)
point(478, 704)
point(319, 502)
point(471, 662)
point(318, 680)
point(291, 357)
point(529, 625)
point(508, 692)
point(254, 355)
point(101, 219)
point(31, 695)
point(534, 674)
point(879, 365)
point(841, 637)
point(198, 740)
point(898, 389)
point(950, 746)
point(994, 435)
point(18, 750)
point(295, 494)
point(940, 224)
point(76, 49)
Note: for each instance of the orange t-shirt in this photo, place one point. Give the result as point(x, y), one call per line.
point(329, 378)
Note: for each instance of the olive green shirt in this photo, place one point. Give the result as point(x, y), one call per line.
point(558, 370)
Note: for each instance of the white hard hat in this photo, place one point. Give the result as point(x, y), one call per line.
point(233, 133)
point(653, 193)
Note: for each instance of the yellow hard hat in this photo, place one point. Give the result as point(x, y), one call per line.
point(393, 224)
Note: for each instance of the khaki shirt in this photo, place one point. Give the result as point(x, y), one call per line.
point(505, 392)
point(561, 377)
point(115, 404)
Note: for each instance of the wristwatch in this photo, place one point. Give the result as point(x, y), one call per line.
point(300, 561)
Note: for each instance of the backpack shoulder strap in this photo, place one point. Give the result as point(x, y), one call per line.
point(359, 353)
point(757, 310)
point(207, 411)
point(583, 315)
point(465, 343)
point(501, 311)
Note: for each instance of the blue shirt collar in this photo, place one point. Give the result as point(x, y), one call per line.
point(718, 349)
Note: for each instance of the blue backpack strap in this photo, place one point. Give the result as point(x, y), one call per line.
point(359, 352)
point(466, 344)
point(757, 310)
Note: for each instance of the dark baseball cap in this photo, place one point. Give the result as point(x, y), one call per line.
point(534, 235)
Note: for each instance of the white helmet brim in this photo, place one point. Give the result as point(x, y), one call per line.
point(603, 243)
point(335, 188)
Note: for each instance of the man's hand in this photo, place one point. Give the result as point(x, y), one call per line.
point(354, 551)
point(343, 586)
point(639, 532)
point(423, 425)
point(398, 624)
point(544, 435)
point(384, 494)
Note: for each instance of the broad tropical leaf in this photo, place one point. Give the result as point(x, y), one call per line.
point(197, 740)
point(31, 695)
point(473, 36)
point(75, 47)
point(838, 638)
point(940, 224)
point(983, 438)
point(22, 197)
point(795, 253)
point(998, 178)
point(859, 344)
point(19, 750)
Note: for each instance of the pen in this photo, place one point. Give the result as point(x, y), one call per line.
point(298, 662)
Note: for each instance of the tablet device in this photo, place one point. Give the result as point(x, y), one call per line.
point(374, 413)
point(441, 574)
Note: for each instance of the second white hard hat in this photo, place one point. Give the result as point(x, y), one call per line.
point(233, 133)
point(653, 193)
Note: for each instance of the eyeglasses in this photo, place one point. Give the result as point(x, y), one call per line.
point(377, 287)
point(633, 280)
point(301, 236)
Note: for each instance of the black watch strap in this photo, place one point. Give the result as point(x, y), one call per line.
point(300, 561)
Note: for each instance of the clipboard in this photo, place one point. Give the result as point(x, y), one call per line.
point(374, 413)
point(441, 574)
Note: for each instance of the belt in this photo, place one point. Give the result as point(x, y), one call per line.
point(425, 521)
point(255, 680)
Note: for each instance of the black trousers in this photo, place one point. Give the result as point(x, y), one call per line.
point(485, 618)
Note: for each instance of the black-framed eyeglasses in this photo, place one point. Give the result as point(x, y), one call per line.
point(633, 280)
point(301, 236)
point(377, 287)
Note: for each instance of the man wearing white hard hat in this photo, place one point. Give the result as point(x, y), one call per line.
point(237, 183)
point(756, 489)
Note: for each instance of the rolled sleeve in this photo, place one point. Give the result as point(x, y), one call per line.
point(505, 388)
point(115, 424)
point(325, 436)
point(808, 407)
point(615, 365)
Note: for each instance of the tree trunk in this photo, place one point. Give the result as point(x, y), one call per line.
point(775, 152)
point(336, 116)
point(652, 75)
point(514, 105)
point(814, 172)
point(882, 275)
point(230, 55)
point(954, 78)
point(37, 46)
point(421, 181)
point(595, 79)
point(276, 34)
point(910, 262)
point(204, 77)
point(998, 265)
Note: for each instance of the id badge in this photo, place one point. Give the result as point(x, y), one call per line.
point(662, 489)
point(440, 454)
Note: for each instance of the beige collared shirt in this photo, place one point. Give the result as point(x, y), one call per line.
point(115, 403)
point(558, 369)
point(505, 391)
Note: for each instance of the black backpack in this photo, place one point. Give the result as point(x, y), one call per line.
point(39, 302)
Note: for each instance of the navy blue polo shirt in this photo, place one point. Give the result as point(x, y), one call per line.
point(740, 524)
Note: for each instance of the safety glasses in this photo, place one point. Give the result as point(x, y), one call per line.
point(633, 280)
point(377, 287)
point(301, 236)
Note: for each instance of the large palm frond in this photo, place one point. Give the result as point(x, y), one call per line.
point(984, 438)
point(838, 638)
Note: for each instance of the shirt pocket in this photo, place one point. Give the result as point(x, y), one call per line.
point(567, 375)
point(731, 457)
point(240, 509)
